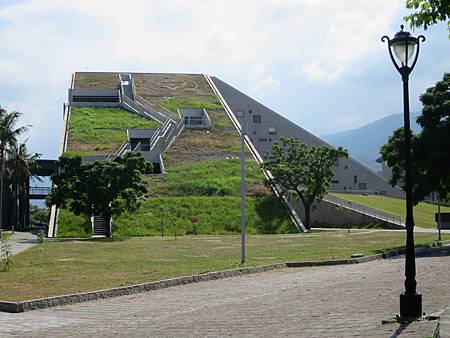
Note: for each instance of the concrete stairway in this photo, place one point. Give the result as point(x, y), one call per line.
point(99, 227)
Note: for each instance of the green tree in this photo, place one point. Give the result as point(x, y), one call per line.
point(103, 188)
point(19, 166)
point(303, 170)
point(8, 136)
point(430, 147)
point(428, 12)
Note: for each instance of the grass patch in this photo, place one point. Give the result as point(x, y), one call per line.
point(101, 131)
point(209, 102)
point(73, 226)
point(423, 212)
point(78, 266)
point(205, 178)
point(215, 214)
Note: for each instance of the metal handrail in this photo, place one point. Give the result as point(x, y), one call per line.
point(365, 209)
point(40, 190)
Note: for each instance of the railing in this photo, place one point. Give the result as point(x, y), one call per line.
point(160, 109)
point(125, 146)
point(366, 192)
point(364, 209)
point(40, 190)
point(140, 109)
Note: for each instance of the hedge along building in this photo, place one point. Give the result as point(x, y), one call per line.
point(188, 126)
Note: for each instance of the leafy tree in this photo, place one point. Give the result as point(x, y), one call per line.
point(303, 170)
point(38, 216)
point(428, 12)
point(20, 166)
point(430, 148)
point(8, 136)
point(103, 188)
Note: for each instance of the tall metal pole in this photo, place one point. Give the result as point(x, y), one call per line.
point(410, 300)
point(242, 194)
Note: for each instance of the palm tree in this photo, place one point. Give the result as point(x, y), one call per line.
point(8, 137)
point(20, 166)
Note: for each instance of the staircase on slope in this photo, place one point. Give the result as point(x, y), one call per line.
point(100, 228)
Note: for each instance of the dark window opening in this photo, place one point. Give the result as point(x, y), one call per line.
point(355, 179)
point(256, 118)
point(95, 99)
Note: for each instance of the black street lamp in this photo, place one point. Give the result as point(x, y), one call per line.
point(404, 45)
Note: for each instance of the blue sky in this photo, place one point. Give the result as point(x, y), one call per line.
point(318, 62)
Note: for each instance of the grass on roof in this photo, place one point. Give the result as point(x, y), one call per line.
point(174, 103)
point(219, 177)
point(96, 80)
point(101, 130)
point(423, 212)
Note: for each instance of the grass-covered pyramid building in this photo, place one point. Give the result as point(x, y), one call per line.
point(177, 122)
point(188, 126)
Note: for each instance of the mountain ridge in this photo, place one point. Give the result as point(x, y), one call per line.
point(364, 143)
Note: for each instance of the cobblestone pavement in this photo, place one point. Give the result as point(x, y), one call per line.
point(335, 301)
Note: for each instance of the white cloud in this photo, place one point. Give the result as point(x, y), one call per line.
point(267, 83)
point(45, 40)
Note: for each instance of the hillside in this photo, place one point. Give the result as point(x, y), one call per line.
point(364, 143)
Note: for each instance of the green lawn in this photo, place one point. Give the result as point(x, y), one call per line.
point(210, 102)
point(206, 178)
point(76, 266)
point(101, 131)
point(423, 212)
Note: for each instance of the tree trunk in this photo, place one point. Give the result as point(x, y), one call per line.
point(26, 200)
point(21, 207)
point(14, 209)
point(307, 221)
point(2, 173)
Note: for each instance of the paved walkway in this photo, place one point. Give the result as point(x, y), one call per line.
point(337, 301)
point(21, 241)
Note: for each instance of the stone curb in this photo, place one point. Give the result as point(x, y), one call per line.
point(36, 304)
point(443, 326)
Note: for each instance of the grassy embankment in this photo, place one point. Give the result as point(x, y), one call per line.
point(101, 131)
point(423, 212)
point(77, 266)
point(202, 181)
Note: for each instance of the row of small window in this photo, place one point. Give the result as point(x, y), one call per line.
point(95, 99)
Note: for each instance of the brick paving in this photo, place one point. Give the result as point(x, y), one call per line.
point(336, 301)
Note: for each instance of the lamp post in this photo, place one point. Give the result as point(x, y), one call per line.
point(404, 45)
point(243, 133)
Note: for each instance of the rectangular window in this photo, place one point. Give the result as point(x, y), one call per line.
point(239, 113)
point(256, 118)
point(272, 130)
point(334, 181)
point(262, 140)
point(346, 167)
point(355, 179)
point(254, 130)
point(362, 186)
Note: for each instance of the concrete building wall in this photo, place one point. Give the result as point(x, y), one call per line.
point(327, 213)
point(259, 119)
